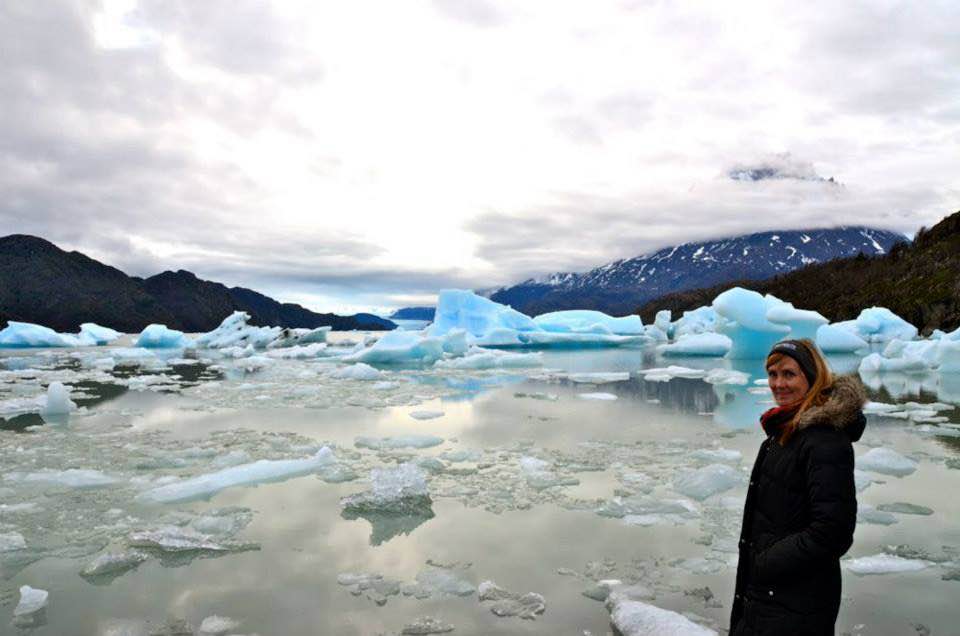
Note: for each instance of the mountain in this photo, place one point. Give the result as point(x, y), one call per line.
point(414, 313)
point(919, 281)
point(621, 286)
point(43, 284)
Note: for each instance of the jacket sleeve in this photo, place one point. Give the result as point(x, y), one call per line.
point(831, 497)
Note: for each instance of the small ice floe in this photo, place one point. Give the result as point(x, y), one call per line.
point(905, 508)
point(537, 395)
point(478, 359)
point(373, 586)
point(32, 601)
point(861, 480)
point(713, 345)
point(70, 478)
point(664, 374)
point(11, 541)
point(174, 539)
point(727, 376)
point(505, 604)
point(438, 582)
point(718, 455)
point(637, 618)
point(426, 415)
point(265, 470)
point(160, 337)
point(703, 482)
point(427, 625)
point(58, 400)
point(395, 443)
point(884, 564)
point(112, 563)
point(886, 461)
point(218, 625)
point(600, 590)
point(599, 378)
point(597, 396)
point(539, 475)
point(645, 511)
point(868, 514)
point(359, 371)
point(392, 490)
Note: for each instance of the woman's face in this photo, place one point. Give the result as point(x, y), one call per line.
point(787, 381)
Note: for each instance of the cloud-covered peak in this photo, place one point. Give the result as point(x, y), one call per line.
point(778, 166)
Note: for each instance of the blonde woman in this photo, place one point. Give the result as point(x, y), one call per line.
point(801, 506)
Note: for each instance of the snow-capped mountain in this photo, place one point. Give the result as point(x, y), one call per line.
point(622, 286)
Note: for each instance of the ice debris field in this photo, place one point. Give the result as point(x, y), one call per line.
point(491, 473)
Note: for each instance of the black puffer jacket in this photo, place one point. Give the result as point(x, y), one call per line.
point(798, 520)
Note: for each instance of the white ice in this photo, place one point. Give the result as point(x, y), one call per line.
point(603, 397)
point(359, 371)
point(400, 346)
point(884, 564)
point(803, 323)
point(32, 600)
point(235, 332)
point(699, 320)
point(58, 400)
point(636, 618)
point(401, 441)
point(886, 461)
point(93, 334)
point(218, 625)
point(160, 337)
point(478, 358)
point(262, 471)
point(10, 541)
point(698, 344)
point(599, 377)
point(836, 339)
point(71, 478)
point(703, 482)
point(727, 376)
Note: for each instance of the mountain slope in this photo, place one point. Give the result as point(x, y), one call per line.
point(619, 287)
point(919, 281)
point(43, 284)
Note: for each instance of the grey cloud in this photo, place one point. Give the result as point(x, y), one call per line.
point(780, 166)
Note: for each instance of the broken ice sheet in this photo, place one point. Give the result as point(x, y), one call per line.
point(397, 503)
point(506, 604)
point(426, 625)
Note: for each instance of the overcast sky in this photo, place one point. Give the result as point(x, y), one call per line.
point(357, 155)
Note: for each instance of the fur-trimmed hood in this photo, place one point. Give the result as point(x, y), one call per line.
point(842, 410)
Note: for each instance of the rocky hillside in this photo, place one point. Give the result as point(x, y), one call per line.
point(619, 287)
point(43, 284)
point(919, 281)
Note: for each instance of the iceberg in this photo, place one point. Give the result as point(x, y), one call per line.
point(803, 323)
point(886, 461)
point(262, 471)
point(588, 321)
point(58, 400)
point(662, 321)
point(478, 316)
point(478, 358)
point(235, 332)
point(92, 334)
point(160, 337)
point(835, 339)
point(744, 320)
point(25, 334)
point(699, 344)
point(400, 346)
point(879, 324)
point(299, 337)
point(699, 320)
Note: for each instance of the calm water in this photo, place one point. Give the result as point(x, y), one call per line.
point(488, 520)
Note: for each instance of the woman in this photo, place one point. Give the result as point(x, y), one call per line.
point(801, 505)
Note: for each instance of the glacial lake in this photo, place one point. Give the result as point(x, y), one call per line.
point(533, 485)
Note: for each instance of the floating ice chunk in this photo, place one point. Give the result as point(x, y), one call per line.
point(58, 400)
point(884, 564)
point(533, 464)
point(879, 324)
point(394, 443)
point(861, 480)
point(673, 371)
point(718, 455)
point(872, 407)
point(235, 332)
point(709, 480)
point(442, 582)
point(478, 316)
point(642, 507)
point(393, 490)
point(400, 346)
point(94, 334)
point(359, 371)
point(32, 600)
point(947, 356)
point(836, 339)
point(263, 471)
point(298, 352)
point(700, 320)
point(174, 539)
point(160, 337)
point(597, 396)
point(526, 606)
point(576, 340)
point(869, 514)
point(636, 618)
point(744, 314)
point(427, 625)
point(477, 358)
point(876, 363)
point(662, 322)
point(113, 563)
point(71, 478)
point(25, 334)
point(886, 461)
point(588, 321)
point(218, 625)
point(599, 378)
point(11, 541)
point(698, 344)
point(803, 323)
point(727, 376)
point(906, 508)
point(298, 337)
point(426, 415)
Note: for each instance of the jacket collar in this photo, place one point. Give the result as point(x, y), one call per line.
point(842, 410)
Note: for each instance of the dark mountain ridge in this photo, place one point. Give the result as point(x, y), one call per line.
point(919, 281)
point(43, 284)
point(620, 287)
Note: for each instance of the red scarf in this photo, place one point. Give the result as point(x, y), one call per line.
point(773, 420)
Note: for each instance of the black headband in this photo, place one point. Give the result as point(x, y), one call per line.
point(799, 352)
